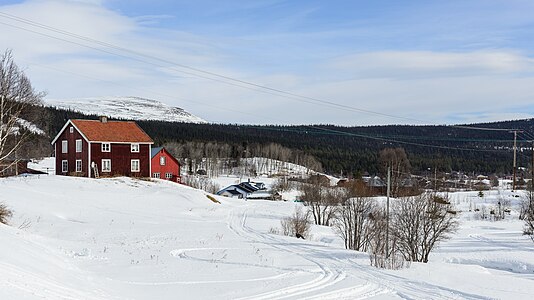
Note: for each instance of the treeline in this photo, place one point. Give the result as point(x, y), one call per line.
point(352, 150)
point(217, 158)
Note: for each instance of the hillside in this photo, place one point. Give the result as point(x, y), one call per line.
point(354, 150)
point(128, 239)
point(129, 108)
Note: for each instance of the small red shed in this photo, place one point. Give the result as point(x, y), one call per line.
point(164, 165)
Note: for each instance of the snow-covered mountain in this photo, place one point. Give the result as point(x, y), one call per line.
point(132, 108)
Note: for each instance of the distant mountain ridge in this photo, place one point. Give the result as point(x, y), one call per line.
point(130, 108)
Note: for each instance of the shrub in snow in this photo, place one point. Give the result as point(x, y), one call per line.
point(419, 223)
point(355, 222)
point(395, 261)
point(527, 213)
point(321, 200)
point(296, 225)
point(202, 183)
point(382, 248)
point(5, 214)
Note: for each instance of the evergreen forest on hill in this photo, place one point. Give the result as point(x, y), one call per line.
point(354, 150)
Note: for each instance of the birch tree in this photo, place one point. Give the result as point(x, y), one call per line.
point(17, 97)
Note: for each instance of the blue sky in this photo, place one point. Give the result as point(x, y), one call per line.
point(434, 61)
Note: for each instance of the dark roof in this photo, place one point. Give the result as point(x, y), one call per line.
point(233, 192)
point(155, 151)
point(248, 187)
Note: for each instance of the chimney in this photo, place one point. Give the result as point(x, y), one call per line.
point(103, 119)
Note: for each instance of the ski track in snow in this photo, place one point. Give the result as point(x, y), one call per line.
point(43, 288)
point(327, 276)
point(304, 269)
point(376, 282)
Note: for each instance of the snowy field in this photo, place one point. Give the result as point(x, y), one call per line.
point(76, 238)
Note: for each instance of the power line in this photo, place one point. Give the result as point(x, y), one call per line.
point(142, 89)
point(249, 85)
point(392, 139)
point(222, 78)
point(256, 87)
point(343, 133)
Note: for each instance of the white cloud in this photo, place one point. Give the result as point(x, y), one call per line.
point(422, 64)
point(436, 87)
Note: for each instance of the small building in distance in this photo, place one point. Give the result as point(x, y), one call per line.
point(246, 190)
point(95, 148)
point(164, 165)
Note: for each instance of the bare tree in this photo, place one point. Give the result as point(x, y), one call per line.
point(419, 223)
point(354, 222)
point(397, 160)
point(5, 214)
point(355, 218)
point(297, 225)
point(393, 259)
point(17, 96)
point(321, 200)
point(527, 213)
point(502, 207)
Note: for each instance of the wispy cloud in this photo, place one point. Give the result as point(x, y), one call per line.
point(424, 64)
point(440, 63)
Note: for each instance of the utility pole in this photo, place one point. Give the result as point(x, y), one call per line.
point(435, 179)
point(387, 211)
point(531, 177)
point(515, 157)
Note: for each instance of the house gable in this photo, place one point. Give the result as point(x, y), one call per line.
point(71, 147)
point(69, 122)
point(171, 165)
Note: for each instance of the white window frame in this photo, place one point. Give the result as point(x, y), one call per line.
point(168, 175)
point(132, 165)
point(106, 147)
point(134, 148)
point(65, 146)
point(105, 161)
point(64, 166)
point(79, 146)
point(78, 165)
point(156, 175)
point(71, 129)
point(162, 160)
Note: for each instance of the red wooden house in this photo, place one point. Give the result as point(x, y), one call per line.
point(164, 165)
point(94, 148)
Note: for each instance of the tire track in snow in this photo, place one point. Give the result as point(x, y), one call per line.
point(328, 276)
point(377, 281)
point(43, 287)
point(412, 289)
point(362, 291)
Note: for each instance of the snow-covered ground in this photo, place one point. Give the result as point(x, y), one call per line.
point(123, 238)
point(130, 108)
point(47, 165)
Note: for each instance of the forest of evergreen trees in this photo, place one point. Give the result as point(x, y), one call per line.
point(353, 150)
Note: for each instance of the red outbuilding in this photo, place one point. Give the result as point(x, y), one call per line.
point(95, 148)
point(164, 165)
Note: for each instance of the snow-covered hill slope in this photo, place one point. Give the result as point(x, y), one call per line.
point(123, 238)
point(131, 108)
